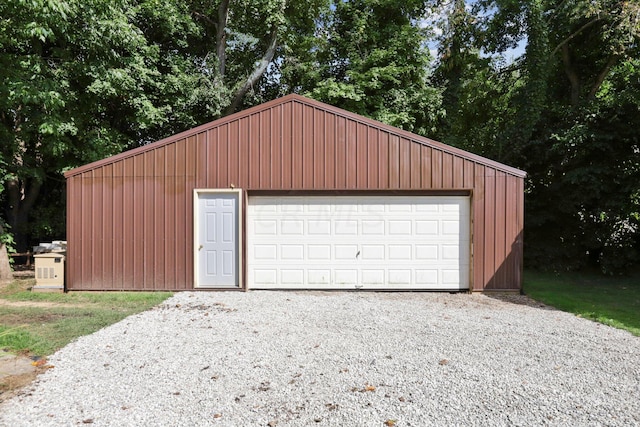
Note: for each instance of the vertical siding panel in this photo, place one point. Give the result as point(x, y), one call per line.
point(341, 152)
point(74, 232)
point(489, 227)
point(212, 157)
point(149, 226)
point(222, 162)
point(70, 223)
point(276, 148)
point(468, 174)
point(118, 225)
point(181, 213)
point(92, 219)
point(160, 244)
point(362, 154)
point(511, 210)
point(287, 148)
point(84, 213)
point(458, 172)
point(478, 227)
point(128, 251)
point(447, 170)
point(187, 253)
point(107, 247)
point(416, 167)
point(319, 162)
point(394, 161)
point(405, 163)
point(87, 184)
point(519, 230)
point(265, 148)
point(372, 170)
point(330, 151)
point(297, 147)
point(307, 147)
point(138, 223)
point(233, 172)
point(254, 151)
point(426, 166)
point(201, 165)
point(500, 230)
point(383, 160)
point(70, 220)
point(98, 213)
point(243, 152)
point(171, 202)
point(436, 169)
point(351, 159)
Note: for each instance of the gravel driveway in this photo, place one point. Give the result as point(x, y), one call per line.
point(338, 359)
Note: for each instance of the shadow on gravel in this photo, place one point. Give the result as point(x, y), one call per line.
point(518, 299)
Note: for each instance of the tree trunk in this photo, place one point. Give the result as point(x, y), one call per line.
point(5, 267)
point(221, 36)
point(21, 196)
point(571, 75)
point(257, 73)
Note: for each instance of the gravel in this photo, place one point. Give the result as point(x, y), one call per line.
point(335, 359)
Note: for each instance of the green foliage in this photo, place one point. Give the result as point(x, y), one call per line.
point(566, 112)
point(371, 59)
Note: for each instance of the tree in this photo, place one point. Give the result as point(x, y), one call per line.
point(242, 41)
point(370, 57)
point(568, 120)
point(83, 80)
point(78, 82)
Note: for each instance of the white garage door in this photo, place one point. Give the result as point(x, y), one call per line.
point(353, 242)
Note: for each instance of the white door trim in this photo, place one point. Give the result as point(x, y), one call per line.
point(196, 230)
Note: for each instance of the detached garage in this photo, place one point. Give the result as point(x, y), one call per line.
point(295, 194)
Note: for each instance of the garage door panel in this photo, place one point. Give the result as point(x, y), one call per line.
point(264, 276)
point(346, 277)
point(344, 242)
point(319, 252)
point(319, 277)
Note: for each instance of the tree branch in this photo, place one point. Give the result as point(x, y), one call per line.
point(603, 75)
point(581, 29)
point(257, 73)
point(221, 36)
point(204, 18)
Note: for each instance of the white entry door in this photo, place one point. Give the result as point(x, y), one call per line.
point(353, 242)
point(217, 237)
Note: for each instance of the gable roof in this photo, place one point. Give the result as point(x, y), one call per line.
point(294, 98)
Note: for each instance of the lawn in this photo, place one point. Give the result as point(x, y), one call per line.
point(38, 324)
point(614, 301)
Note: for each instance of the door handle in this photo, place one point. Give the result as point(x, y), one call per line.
point(200, 247)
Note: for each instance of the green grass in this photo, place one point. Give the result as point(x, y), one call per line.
point(614, 301)
point(52, 320)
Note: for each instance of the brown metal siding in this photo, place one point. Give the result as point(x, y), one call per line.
point(130, 218)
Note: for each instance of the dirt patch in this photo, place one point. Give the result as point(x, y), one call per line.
point(37, 304)
point(16, 372)
point(17, 319)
